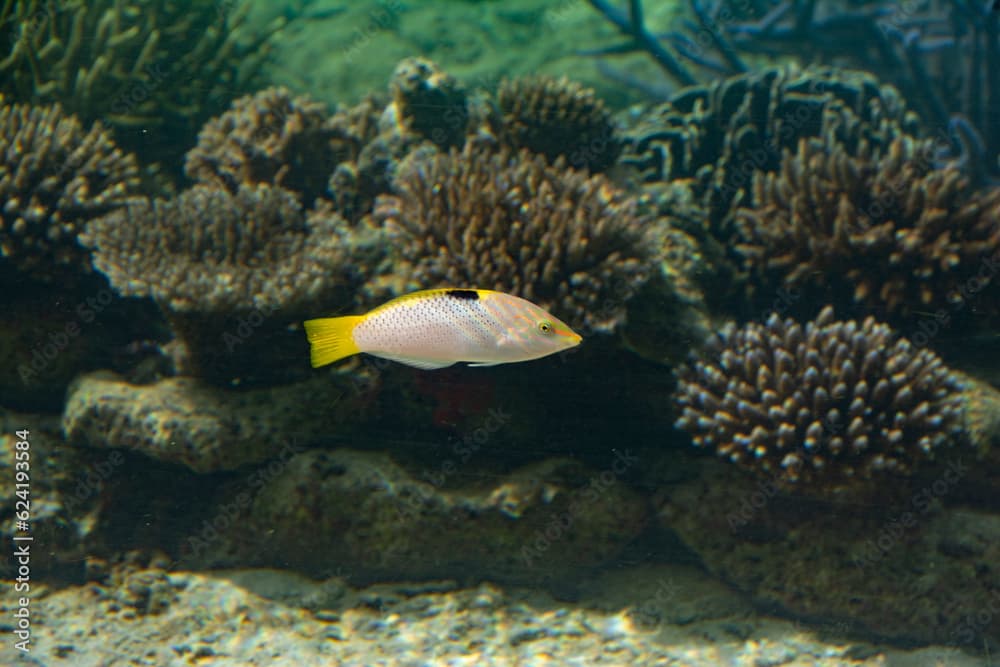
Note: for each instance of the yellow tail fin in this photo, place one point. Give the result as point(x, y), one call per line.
point(330, 339)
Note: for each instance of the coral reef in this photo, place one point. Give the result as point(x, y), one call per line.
point(323, 510)
point(138, 65)
point(697, 155)
point(429, 102)
point(188, 422)
point(220, 263)
point(364, 160)
point(822, 406)
point(720, 134)
point(270, 137)
point(940, 54)
point(54, 177)
point(572, 243)
point(557, 117)
point(891, 232)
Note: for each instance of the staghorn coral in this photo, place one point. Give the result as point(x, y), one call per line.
point(889, 231)
point(214, 260)
point(510, 221)
point(54, 177)
point(144, 64)
point(558, 117)
point(821, 406)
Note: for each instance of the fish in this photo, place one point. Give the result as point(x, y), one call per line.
point(440, 327)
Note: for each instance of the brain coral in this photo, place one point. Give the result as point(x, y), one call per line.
point(822, 405)
point(570, 242)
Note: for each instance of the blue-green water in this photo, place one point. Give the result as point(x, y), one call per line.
point(742, 410)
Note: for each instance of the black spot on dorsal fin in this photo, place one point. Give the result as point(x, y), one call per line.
point(470, 294)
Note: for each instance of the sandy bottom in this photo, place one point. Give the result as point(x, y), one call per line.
point(650, 615)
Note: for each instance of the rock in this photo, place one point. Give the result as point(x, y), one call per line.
point(63, 495)
point(206, 428)
point(906, 565)
point(243, 618)
point(329, 511)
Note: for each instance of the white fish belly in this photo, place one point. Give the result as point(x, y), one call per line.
point(435, 328)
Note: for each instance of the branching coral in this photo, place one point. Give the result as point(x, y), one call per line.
point(820, 406)
point(557, 117)
point(890, 232)
point(141, 64)
point(510, 221)
point(54, 177)
point(269, 137)
point(710, 141)
point(213, 260)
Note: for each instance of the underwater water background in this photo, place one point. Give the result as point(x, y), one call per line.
point(772, 226)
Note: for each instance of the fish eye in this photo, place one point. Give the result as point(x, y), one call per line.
point(545, 327)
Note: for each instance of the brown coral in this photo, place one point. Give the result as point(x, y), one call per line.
point(558, 117)
point(819, 406)
point(269, 137)
point(429, 102)
point(54, 177)
point(889, 231)
point(226, 267)
point(720, 134)
point(510, 221)
point(141, 64)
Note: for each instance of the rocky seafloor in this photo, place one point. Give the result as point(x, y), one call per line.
point(647, 615)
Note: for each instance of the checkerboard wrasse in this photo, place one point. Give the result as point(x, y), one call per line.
point(440, 327)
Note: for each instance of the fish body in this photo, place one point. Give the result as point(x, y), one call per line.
point(438, 328)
